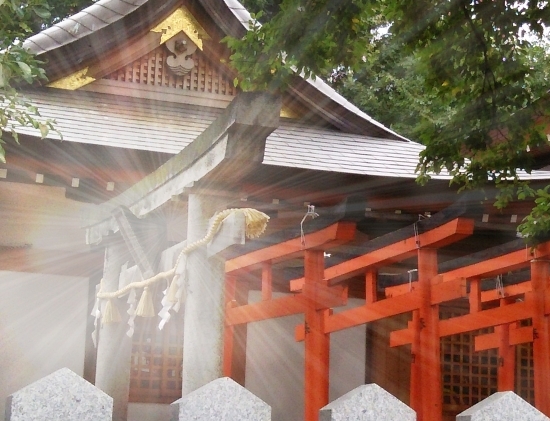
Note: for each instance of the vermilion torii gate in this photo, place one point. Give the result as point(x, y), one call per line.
point(320, 289)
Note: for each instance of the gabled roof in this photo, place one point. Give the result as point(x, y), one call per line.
point(73, 43)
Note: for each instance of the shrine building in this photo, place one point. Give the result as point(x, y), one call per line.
point(133, 251)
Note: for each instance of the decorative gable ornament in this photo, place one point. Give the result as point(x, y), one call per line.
point(180, 63)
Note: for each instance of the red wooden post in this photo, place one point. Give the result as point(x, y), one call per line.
point(267, 281)
point(506, 376)
point(317, 343)
point(430, 350)
point(371, 287)
point(416, 378)
point(228, 333)
point(475, 295)
point(541, 361)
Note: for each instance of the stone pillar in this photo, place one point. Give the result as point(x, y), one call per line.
point(204, 303)
point(114, 346)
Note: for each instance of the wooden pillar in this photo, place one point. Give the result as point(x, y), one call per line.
point(228, 336)
point(429, 353)
point(416, 378)
point(317, 343)
point(114, 348)
point(506, 377)
point(267, 281)
point(204, 305)
point(541, 359)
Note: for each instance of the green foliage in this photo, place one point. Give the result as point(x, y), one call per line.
point(468, 79)
point(20, 19)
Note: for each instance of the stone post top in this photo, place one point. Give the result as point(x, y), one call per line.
point(222, 399)
point(502, 406)
point(368, 402)
point(62, 395)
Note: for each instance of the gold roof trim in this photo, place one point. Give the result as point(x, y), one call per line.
point(72, 81)
point(181, 20)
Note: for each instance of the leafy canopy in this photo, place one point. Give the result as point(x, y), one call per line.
point(468, 79)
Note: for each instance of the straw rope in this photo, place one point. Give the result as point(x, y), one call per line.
point(255, 225)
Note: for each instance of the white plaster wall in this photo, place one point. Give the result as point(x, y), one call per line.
point(41, 216)
point(42, 328)
point(275, 363)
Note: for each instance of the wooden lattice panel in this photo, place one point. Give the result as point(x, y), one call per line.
point(156, 362)
point(151, 69)
point(468, 376)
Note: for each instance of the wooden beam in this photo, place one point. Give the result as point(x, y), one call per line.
point(372, 312)
point(440, 292)
point(486, 318)
point(448, 233)
point(330, 236)
point(509, 291)
point(517, 336)
point(467, 323)
point(263, 310)
point(497, 265)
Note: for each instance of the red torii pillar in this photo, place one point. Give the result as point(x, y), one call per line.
point(317, 342)
point(541, 359)
point(426, 386)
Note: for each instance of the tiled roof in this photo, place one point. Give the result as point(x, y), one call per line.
point(117, 121)
point(110, 120)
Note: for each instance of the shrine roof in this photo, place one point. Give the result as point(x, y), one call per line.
point(158, 126)
point(89, 35)
point(91, 19)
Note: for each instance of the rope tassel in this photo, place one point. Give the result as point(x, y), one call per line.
point(145, 307)
point(110, 314)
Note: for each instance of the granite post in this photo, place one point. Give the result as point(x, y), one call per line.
point(367, 403)
point(114, 346)
point(222, 400)
point(204, 302)
point(502, 406)
point(60, 396)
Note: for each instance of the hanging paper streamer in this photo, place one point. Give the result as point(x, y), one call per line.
point(174, 294)
point(96, 313)
point(131, 312)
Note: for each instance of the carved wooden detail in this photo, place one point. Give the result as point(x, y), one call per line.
point(180, 63)
point(151, 69)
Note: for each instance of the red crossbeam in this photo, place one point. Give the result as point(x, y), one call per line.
point(438, 237)
point(331, 236)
